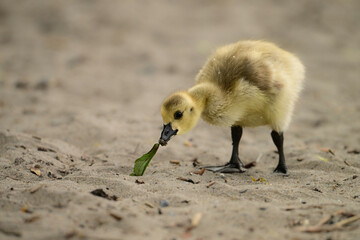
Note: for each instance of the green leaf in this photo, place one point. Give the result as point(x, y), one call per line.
point(142, 162)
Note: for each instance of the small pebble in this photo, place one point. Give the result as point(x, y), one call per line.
point(164, 203)
point(243, 191)
point(43, 84)
point(21, 84)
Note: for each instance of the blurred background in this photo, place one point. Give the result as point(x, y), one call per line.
point(89, 72)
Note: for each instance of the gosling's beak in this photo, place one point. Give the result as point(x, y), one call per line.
point(166, 134)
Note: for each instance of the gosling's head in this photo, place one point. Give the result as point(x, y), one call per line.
point(179, 114)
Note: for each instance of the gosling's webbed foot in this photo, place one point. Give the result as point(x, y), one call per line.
point(227, 168)
point(234, 165)
point(281, 169)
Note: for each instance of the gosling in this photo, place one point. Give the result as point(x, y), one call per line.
point(245, 84)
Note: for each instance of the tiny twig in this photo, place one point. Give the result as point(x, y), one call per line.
point(258, 158)
point(322, 227)
point(347, 221)
point(324, 221)
point(200, 172)
point(347, 163)
point(13, 178)
point(176, 162)
point(35, 189)
point(149, 205)
point(186, 180)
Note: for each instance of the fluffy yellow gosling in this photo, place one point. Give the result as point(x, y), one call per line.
point(245, 84)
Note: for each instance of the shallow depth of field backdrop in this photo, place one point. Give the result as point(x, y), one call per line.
point(81, 83)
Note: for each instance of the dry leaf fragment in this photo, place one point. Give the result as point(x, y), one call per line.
point(327, 150)
point(258, 180)
point(35, 171)
point(35, 189)
point(354, 151)
point(45, 149)
point(70, 234)
point(317, 190)
point(262, 179)
point(250, 165)
point(187, 180)
point(210, 184)
point(25, 209)
point(187, 143)
point(100, 193)
point(176, 162)
point(195, 220)
point(139, 181)
point(115, 216)
point(149, 205)
point(20, 146)
point(92, 163)
point(32, 219)
point(346, 214)
point(37, 138)
point(200, 172)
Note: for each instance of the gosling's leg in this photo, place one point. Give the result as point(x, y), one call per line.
point(234, 165)
point(278, 139)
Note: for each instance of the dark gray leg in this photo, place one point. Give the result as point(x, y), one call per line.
point(234, 165)
point(278, 139)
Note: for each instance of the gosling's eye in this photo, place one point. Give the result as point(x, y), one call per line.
point(178, 115)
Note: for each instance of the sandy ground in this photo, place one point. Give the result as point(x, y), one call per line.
point(81, 83)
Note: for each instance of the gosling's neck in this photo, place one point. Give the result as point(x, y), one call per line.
point(203, 93)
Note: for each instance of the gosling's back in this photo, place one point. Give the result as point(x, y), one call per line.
point(259, 79)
